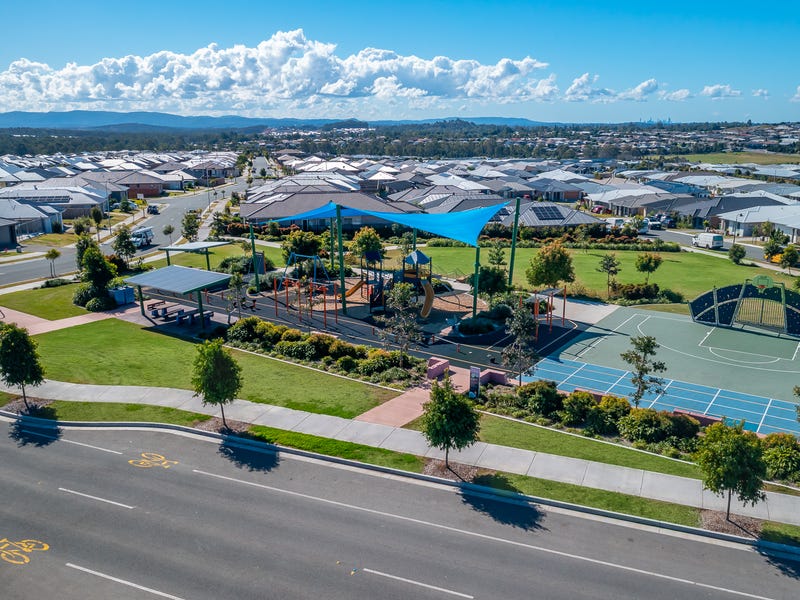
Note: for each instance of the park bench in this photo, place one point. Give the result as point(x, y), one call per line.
point(174, 311)
point(187, 316)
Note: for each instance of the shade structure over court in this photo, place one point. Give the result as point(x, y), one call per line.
point(464, 226)
point(179, 280)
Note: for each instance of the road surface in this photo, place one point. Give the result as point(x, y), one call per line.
point(220, 522)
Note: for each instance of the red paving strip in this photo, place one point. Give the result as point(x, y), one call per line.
point(36, 325)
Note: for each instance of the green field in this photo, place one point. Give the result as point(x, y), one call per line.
point(495, 430)
point(62, 410)
point(188, 259)
point(689, 273)
point(113, 352)
point(759, 158)
point(48, 303)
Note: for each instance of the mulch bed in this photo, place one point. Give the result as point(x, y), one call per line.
point(456, 472)
point(16, 405)
point(737, 525)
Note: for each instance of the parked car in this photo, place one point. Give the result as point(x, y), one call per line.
point(654, 223)
point(152, 209)
point(712, 241)
point(669, 222)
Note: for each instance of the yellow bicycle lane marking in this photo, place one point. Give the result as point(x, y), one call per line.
point(151, 459)
point(16, 553)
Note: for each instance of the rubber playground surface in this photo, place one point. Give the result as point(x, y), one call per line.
point(734, 373)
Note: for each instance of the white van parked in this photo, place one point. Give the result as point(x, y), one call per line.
point(142, 236)
point(712, 241)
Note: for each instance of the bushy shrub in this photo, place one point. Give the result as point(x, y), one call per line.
point(299, 350)
point(246, 330)
point(348, 364)
point(577, 407)
point(118, 262)
point(292, 335)
point(322, 343)
point(57, 282)
point(436, 242)
point(782, 455)
point(339, 349)
point(83, 294)
point(475, 326)
point(636, 291)
point(100, 303)
point(604, 417)
point(235, 264)
point(377, 361)
point(394, 374)
point(500, 312)
point(683, 426)
point(504, 397)
point(541, 397)
point(645, 425)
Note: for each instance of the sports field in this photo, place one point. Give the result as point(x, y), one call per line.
point(735, 373)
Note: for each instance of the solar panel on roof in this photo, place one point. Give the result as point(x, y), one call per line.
point(547, 213)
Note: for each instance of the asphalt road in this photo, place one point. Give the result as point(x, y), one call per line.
point(685, 239)
point(172, 210)
point(222, 523)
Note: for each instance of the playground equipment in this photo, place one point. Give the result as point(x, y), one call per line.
point(759, 302)
point(429, 296)
point(418, 271)
point(297, 268)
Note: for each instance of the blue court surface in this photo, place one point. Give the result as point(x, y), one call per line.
point(761, 414)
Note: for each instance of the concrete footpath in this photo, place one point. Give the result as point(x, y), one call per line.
point(636, 482)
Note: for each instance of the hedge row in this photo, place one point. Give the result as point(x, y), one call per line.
point(328, 352)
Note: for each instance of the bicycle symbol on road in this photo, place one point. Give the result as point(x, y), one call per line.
point(17, 552)
point(151, 459)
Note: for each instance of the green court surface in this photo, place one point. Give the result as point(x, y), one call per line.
point(745, 360)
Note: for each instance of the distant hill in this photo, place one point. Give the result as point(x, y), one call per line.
point(152, 121)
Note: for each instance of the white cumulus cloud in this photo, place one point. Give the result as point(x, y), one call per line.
point(583, 90)
point(719, 91)
point(288, 70)
point(640, 92)
point(676, 96)
point(761, 93)
point(796, 97)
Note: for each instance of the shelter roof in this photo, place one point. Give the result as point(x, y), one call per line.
point(179, 280)
point(195, 246)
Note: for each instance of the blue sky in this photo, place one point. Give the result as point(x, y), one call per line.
point(567, 61)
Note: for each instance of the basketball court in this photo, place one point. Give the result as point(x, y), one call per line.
point(738, 373)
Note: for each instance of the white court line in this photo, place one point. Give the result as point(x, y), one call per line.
point(705, 412)
point(484, 536)
point(661, 395)
point(764, 416)
point(617, 382)
point(708, 333)
point(794, 356)
point(123, 582)
point(419, 583)
point(96, 498)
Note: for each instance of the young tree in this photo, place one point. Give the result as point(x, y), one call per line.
point(123, 244)
point(216, 376)
point(737, 253)
point(520, 355)
point(610, 265)
point(97, 270)
point(235, 295)
point(366, 240)
point(301, 242)
point(449, 420)
point(582, 236)
point(789, 258)
point(190, 226)
point(497, 255)
point(732, 460)
point(401, 325)
point(551, 265)
point(81, 225)
point(19, 360)
point(642, 365)
point(81, 246)
point(647, 263)
point(97, 217)
point(491, 281)
point(52, 255)
point(168, 231)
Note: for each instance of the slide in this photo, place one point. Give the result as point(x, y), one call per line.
point(428, 304)
point(354, 289)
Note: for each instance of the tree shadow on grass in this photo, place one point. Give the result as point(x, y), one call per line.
point(234, 448)
point(507, 512)
point(25, 433)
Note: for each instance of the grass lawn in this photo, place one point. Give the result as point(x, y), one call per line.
point(495, 430)
point(726, 158)
point(114, 352)
point(113, 411)
point(781, 533)
point(216, 256)
point(686, 272)
point(48, 303)
point(55, 240)
point(614, 501)
point(347, 450)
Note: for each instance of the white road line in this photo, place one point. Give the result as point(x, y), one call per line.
point(53, 437)
point(92, 447)
point(123, 582)
point(483, 536)
point(419, 583)
point(95, 498)
point(764, 416)
point(705, 412)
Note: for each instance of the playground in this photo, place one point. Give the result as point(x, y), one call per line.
point(738, 373)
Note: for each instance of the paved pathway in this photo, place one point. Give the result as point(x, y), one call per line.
point(777, 507)
point(36, 325)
